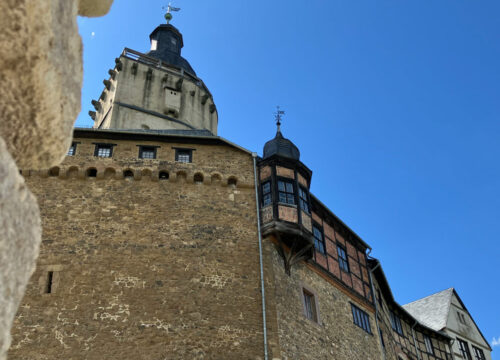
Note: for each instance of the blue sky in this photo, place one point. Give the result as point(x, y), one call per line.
point(393, 104)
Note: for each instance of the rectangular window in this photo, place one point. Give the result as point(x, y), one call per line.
point(184, 155)
point(72, 150)
point(310, 306)
point(304, 203)
point(478, 353)
point(286, 192)
point(319, 241)
point(381, 338)
point(266, 193)
point(464, 349)
point(344, 265)
point(103, 150)
point(396, 323)
point(428, 345)
point(361, 318)
point(147, 152)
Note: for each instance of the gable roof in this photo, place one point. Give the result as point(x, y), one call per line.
point(432, 310)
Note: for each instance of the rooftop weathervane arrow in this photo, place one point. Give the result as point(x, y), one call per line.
point(170, 8)
point(277, 115)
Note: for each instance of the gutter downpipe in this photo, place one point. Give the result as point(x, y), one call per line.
point(262, 288)
point(415, 340)
point(376, 303)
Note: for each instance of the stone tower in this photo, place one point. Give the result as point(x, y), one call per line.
point(158, 90)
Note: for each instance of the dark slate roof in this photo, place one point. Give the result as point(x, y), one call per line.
point(282, 147)
point(432, 310)
point(202, 132)
point(168, 47)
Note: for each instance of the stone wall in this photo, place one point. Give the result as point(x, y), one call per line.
point(41, 75)
point(144, 268)
point(335, 336)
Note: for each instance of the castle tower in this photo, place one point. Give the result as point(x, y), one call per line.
point(158, 90)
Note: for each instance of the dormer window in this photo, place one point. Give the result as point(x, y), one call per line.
point(286, 192)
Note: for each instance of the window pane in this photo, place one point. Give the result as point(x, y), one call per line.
point(267, 199)
point(104, 152)
point(266, 187)
point(289, 187)
point(281, 186)
point(291, 199)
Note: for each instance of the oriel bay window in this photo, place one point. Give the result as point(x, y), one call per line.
point(286, 192)
point(319, 242)
point(266, 193)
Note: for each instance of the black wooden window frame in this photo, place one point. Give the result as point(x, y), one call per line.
point(99, 146)
point(381, 338)
point(267, 193)
point(396, 323)
point(343, 261)
point(304, 199)
point(72, 149)
point(319, 239)
point(464, 349)
point(361, 318)
point(478, 353)
point(286, 193)
point(148, 148)
point(188, 152)
point(428, 345)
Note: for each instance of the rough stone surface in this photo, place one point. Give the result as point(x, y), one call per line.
point(335, 336)
point(20, 235)
point(144, 268)
point(41, 77)
point(93, 8)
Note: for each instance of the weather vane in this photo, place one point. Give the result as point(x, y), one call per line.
point(170, 8)
point(277, 115)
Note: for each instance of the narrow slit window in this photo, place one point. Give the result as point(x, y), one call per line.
point(50, 279)
point(286, 192)
point(428, 345)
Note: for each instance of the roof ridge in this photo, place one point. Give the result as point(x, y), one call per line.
point(428, 296)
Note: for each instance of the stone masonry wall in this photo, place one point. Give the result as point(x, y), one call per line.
point(144, 268)
point(336, 336)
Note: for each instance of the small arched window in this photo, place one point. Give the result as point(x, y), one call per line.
point(163, 175)
point(54, 171)
point(232, 181)
point(198, 178)
point(92, 172)
point(128, 174)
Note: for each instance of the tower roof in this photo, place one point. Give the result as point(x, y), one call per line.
point(282, 147)
point(166, 45)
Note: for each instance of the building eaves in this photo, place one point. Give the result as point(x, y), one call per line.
point(201, 136)
point(386, 289)
point(325, 208)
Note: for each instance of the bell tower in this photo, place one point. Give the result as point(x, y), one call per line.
point(157, 90)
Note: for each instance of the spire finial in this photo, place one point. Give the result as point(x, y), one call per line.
point(170, 8)
point(277, 115)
